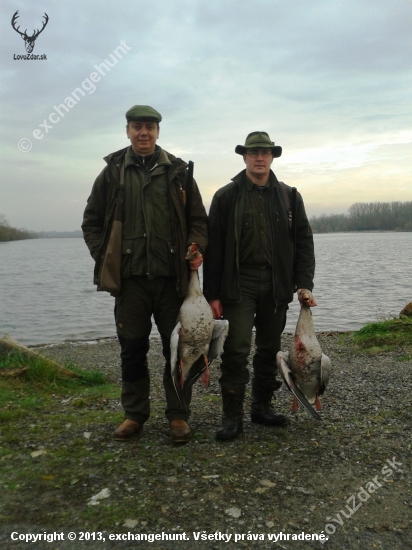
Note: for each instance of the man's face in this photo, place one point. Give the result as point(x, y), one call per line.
point(143, 136)
point(258, 162)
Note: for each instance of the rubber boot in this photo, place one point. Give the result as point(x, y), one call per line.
point(262, 411)
point(232, 418)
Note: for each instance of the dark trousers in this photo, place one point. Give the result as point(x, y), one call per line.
point(140, 299)
point(256, 308)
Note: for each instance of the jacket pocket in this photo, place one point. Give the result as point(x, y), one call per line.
point(247, 220)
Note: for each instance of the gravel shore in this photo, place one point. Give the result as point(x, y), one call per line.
point(305, 478)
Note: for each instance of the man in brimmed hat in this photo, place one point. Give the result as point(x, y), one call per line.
point(138, 227)
point(252, 269)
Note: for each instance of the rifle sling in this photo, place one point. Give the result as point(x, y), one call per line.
point(188, 190)
point(291, 210)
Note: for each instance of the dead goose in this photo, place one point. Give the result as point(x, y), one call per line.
point(197, 339)
point(304, 368)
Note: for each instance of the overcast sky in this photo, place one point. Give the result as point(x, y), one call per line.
point(329, 80)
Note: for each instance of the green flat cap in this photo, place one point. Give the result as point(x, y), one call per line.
point(143, 112)
point(259, 140)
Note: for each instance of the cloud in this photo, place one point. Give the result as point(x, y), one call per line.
point(329, 81)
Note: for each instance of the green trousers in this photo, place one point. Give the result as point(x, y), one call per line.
point(141, 298)
point(256, 308)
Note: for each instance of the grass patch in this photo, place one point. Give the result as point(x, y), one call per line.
point(41, 371)
point(404, 358)
point(384, 336)
point(39, 385)
point(51, 426)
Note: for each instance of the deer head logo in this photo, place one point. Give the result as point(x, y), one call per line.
point(28, 40)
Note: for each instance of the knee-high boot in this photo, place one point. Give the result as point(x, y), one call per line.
point(232, 417)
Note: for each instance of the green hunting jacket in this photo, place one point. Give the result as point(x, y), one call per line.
point(102, 204)
point(221, 265)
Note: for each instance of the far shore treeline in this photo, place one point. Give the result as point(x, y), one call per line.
point(8, 233)
point(361, 216)
point(366, 216)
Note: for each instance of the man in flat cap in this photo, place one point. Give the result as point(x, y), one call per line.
point(138, 227)
point(260, 252)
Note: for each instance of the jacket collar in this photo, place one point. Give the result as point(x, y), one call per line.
point(164, 157)
point(241, 177)
point(160, 154)
point(117, 157)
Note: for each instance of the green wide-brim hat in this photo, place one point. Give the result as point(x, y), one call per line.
point(259, 140)
point(143, 112)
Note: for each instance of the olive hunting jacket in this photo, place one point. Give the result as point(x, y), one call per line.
point(102, 222)
point(290, 269)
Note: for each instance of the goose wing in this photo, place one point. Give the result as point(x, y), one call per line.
point(175, 364)
point(220, 332)
point(325, 368)
point(282, 359)
point(219, 335)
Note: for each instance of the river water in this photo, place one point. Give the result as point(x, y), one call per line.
point(47, 293)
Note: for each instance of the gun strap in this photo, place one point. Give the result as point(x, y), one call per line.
point(291, 210)
point(287, 203)
point(189, 189)
point(293, 225)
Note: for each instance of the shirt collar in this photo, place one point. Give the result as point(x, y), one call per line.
point(132, 158)
point(250, 185)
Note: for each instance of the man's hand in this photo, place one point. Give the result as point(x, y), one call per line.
point(194, 257)
point(306, 297)
point(195, 263)
point(217, 309)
